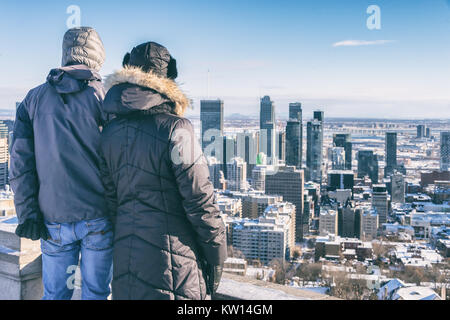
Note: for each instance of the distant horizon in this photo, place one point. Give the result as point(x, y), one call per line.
point(279, 116)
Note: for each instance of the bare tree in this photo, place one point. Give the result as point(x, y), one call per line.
point(281, 268)
point(235, 253)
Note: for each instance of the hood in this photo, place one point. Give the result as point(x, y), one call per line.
point(131, 89)
point(72, 78)
point(83, 46)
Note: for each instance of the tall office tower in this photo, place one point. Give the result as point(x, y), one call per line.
point(211, 117)
point(428, 133)
point(380, 202)
point(288, 182)
point(343, 140)
point(267, 125)
point(338, 158)
point(318, 115)
point(296, 114)
point(4, 155)
point(340, 180)
point(421, 131)
point(348, 222)
point(281, 145)
point(295, 111)
point(247, 147)
point(368, 165)
point(294, 144)
point(391, 153)
point(214, 171)
point(228, 153)
point(398, 187)
point(445, 151)
point(314, 147)
point(237, 175)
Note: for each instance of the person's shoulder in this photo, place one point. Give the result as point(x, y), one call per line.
point(33, 96)
point(38, 90)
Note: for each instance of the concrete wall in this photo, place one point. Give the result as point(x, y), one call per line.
point(20, 265)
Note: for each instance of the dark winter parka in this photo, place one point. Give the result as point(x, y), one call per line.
point(158, 191)
point(54, 169)
point(54, 161)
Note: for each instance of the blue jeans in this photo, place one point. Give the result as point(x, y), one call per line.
point(60, 256)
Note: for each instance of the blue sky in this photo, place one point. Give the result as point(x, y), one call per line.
point(284, 49)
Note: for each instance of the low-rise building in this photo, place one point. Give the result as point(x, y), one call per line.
point(267, 238)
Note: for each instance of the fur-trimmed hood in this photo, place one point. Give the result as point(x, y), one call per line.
point(131, 89)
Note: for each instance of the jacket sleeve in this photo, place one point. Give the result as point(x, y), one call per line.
point(110, 188)
point(192, 176)
point(23, 176)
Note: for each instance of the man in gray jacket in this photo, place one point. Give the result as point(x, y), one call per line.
point(59, 196)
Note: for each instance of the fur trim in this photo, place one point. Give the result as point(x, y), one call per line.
point(165, 86)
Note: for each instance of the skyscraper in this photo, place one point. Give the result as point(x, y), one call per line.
point(267, 125)
point(318, 115)
point(289, 183)
point(368, 165)
point(340, 179)
point(247, 147)
point(445, 151)
point(391, 153)
point(281, 144)
point(314, 146)
point(211, 117)
point(338, 158)
point(4, 155)
point(294, 144)
point(237, 175)
point(343, 140)
point(348, 222)
point(295, 111)
point(228, 153)
point(380, 202)
point(421, 131)
point(294, 136)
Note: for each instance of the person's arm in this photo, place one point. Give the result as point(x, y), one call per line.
point(23, 177)
point(110, 188)
point(192, 176)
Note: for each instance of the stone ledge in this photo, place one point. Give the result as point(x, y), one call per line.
point(234, 287)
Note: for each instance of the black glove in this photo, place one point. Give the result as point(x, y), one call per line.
point(213, 276)
point(33, 229)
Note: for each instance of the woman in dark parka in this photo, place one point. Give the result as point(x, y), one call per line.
point(170, 240)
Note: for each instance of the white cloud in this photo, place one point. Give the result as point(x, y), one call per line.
point(358, 43)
